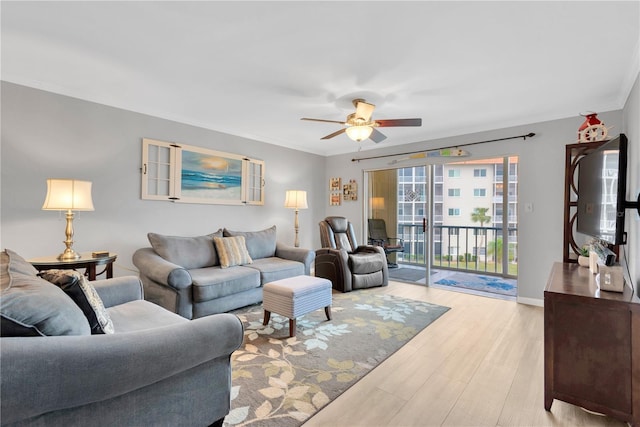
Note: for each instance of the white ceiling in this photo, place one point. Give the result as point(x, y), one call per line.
point(255, 68)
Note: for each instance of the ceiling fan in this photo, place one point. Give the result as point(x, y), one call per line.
point(359, 125)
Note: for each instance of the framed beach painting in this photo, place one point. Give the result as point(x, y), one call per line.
point(210, 177)
point(188, 174)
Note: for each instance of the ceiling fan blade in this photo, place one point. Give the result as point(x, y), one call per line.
point(364, 110)
point(336, 133)
point(377, 136)
point(322, 120)
point(399, 122)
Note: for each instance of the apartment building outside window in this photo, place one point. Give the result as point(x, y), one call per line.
point(455, 235)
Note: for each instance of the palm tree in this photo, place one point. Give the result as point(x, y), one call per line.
point(495, 249)
point(480, 215)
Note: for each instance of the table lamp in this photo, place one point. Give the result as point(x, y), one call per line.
point(70, 195)
point(296, 199)
point(377, 204)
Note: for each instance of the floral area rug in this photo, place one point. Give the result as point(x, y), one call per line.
point(281, 381)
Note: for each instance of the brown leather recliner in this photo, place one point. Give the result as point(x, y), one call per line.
point(348, 265)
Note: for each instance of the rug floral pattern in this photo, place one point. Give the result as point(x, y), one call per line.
point(282, 381)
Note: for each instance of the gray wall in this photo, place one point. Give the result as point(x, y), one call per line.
point(45, 135)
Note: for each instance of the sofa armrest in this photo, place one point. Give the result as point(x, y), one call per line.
point(160, 270)
point(333, 264)
point(70, 371)
point(305, 256)
point(119, 290)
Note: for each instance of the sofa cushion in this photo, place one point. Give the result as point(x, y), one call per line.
point(232, 251)
point(187, 252)
point(217, 282)
point(84, 295)
point(139, 315)
point(260, 244)
point(31, 306)
point(273, 268)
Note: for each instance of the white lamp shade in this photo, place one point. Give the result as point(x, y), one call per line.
point(68, 194)
point(358, 133)
point(296, 199)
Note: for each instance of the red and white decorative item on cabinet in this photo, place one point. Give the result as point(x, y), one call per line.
point(592, 129)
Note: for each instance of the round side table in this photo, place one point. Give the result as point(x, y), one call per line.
point(86, 261)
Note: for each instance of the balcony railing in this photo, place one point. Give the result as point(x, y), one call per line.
point(468, 248)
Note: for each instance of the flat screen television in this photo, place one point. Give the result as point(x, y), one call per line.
point(602, 188)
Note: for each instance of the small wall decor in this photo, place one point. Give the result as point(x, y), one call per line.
point(350, 190)
point(592, 129)
point(334, 188)
point(334, 184)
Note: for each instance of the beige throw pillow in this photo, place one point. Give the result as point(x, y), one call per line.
point(232, 251)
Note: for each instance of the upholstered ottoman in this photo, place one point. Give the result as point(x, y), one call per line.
point(296, 296)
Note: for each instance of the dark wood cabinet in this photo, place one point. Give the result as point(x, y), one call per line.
point(591, 344)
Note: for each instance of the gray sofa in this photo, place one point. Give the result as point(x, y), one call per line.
point(185, 274)
point(156, 369)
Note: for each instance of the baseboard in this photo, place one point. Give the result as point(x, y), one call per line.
point(530, 301)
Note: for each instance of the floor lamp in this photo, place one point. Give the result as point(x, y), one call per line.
point(70, 195)
point(377, 204)
point(296, 199)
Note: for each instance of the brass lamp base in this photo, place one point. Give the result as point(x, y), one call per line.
point(69, 255)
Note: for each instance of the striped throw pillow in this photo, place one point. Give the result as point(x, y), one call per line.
point(232, 251)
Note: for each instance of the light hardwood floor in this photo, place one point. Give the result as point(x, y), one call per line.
point(480, 364)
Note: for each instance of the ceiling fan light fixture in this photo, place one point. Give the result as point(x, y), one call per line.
point(358, 133)
point(360, 126)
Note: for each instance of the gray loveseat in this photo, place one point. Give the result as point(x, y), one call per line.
point(185, 274)
point(156, 369)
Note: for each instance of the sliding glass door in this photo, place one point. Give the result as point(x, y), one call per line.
point(457, 216)
point(475, 223)
point(400, 197)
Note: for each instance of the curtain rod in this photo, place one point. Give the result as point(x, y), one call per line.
point(524, 137)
